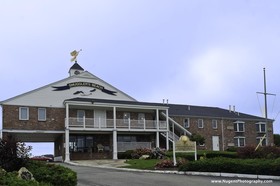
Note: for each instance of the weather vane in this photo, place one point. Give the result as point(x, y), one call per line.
point(74, 55)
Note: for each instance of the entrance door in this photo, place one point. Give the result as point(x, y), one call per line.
point(100, 118)
point(215, 143)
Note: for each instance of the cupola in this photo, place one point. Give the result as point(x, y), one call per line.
point(76, 69)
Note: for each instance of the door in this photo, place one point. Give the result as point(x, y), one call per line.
point(216, 143)
point(100, 118)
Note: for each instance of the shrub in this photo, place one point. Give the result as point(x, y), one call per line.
point(125, 155)
point(269, 152)
point(166, 163)
point(52, 174)
point(247, 166)
point(204, 154)
point(10, 178)
point(13, 154)
point(136, 154)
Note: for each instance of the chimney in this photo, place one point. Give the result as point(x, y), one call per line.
point(234, 108)
point(229, 108)
point(167, 101)
point(163, 101)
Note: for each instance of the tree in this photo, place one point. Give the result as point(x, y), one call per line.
point(277, 140)
point(13, 154)
point(198, 138)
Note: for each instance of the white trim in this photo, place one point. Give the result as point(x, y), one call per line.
point(216, 124)
point(237, 123)
point(33, 131)
point(238, 140)
point(45, 114)
point(200, 127)
point(27, 117)
point(259, 128)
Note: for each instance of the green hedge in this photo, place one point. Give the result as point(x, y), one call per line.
point(11, 179)
point(203, 153)
point(242, 166)
point(52, 174)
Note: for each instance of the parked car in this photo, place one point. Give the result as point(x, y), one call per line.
point(49, 156)
point(42, 158)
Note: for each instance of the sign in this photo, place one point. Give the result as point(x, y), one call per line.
point(185, 145)
point(84, 84)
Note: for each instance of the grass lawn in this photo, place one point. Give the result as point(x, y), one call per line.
point(142, 164)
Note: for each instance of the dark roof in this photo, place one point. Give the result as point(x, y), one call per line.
point(116, 102)
point(76, 66)
point(183, 110)
point(214, 112)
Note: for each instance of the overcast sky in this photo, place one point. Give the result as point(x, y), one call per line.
point(198, 52)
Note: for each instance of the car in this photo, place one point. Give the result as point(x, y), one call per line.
point(42, 158)
point(49, 156)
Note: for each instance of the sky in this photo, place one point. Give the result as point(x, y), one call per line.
point(194, 52)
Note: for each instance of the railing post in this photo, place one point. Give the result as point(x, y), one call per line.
point(115, 145)
point(129, 123)
point(84, 121)
point(115, 117)
point(144, 122)
point(157, 115)
point(99, 123)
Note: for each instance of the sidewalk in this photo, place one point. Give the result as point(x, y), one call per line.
point(117, 164)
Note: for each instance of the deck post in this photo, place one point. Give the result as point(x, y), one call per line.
point(115, 145)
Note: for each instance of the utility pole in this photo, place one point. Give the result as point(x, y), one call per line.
point(265, 106)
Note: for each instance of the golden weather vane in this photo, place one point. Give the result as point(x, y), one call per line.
point(74, 55)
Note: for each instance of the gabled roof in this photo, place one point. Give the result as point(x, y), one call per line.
point(213, 112)
point(76, 66)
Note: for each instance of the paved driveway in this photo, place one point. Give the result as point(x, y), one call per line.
point(94, 176)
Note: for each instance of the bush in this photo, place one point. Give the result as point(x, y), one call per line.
point(52, 174)
point(269, 152)
point(136, 154)
point(125, 155)
point(248, 166)
point(166, 163)
point(204, 154)
point(10, 178)
point(13, 154)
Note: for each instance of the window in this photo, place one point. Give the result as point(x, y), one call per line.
point(23, 113)
point(141, 118)
point(126, 117)
point(263, 141)
point(41, 114)
point(239, 126)
point(200, 123)
point(261, 127)
point(239, 141)
point(186, 123)
point(80, 115)
point(214, 124)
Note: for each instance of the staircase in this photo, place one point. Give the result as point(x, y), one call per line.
point(178, 128)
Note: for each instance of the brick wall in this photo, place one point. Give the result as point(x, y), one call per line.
point(54, 119)
point(226, 136)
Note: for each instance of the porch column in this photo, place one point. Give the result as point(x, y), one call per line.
point(115, 117)
point(157, 135)
point(157, 139)
point(167, 128)
point(115, 145)
point(67, 153)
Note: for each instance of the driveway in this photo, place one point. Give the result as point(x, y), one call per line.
point(95, 176)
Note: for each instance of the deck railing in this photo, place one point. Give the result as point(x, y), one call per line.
point(124, 146)
point(100, 123)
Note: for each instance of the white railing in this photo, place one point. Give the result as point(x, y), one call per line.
point(101, 123)
point(124, 146)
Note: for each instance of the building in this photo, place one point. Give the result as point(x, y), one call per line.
point(87, 118)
